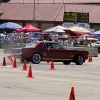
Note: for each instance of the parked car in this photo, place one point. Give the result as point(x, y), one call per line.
point(96, 44)
point(48, 50)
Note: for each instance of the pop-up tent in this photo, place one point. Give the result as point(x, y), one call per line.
point(77, 31)
point(10, 25)
point(96, 33)
point(57, 29)
point(29, 28)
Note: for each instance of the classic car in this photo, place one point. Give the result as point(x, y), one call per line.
point(38, 51)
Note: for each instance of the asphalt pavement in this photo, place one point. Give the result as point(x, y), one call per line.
point(49, 84)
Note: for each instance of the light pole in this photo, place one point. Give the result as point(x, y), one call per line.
point(34, 13)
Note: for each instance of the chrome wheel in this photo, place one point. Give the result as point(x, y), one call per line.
point(36, 58)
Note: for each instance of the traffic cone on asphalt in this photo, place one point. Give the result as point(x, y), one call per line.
point(14, 64)
point(24, 66)
point(89, 58)
point(4, 62)
point(52, 66)
point(30, 73)
point(72, 94)
point(10, 58)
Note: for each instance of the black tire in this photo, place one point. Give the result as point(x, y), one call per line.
point(79, 60)
point(36, 58)
point(66, 62)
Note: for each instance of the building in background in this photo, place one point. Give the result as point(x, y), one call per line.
point(49, 13)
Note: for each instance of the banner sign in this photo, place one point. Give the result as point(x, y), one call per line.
point(68, 24)
point(76, 17)
point(84, 25)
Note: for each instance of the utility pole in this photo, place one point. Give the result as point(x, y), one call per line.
point(34, 14)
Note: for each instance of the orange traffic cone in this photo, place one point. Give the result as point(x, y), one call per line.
point(30, 73)
point(10, 57)
point(90, 59)
point(52, 66)
point(72, 94)
point(24, 66)
point(14, 64)
point(4, 62)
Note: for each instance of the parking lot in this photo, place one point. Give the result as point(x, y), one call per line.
point(50, 84)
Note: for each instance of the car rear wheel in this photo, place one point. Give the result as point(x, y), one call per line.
point(79, 60)
point(66, 62)
point(36, 58)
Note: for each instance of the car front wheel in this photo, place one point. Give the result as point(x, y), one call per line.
point(66, 62)
point(36, 58)
point(79, 60)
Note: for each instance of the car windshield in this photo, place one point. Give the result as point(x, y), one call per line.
point(98, 42)
point(32, 44)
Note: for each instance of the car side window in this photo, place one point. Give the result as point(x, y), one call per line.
point(44, 46)
point(48, 45)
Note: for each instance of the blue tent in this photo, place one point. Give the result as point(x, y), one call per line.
point(10, 25)
point(96, 33)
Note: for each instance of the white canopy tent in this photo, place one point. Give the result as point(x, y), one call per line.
point(79, 29)
point(57, 29)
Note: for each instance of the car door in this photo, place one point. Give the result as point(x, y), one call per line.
point(49, 53)
point(57, 53)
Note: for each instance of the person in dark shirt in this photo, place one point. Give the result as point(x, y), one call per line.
point(49, 39)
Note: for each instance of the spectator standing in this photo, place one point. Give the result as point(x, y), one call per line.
point(0, 40)
point(49, 38)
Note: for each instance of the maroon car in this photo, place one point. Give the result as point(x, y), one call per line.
point(47, 50)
